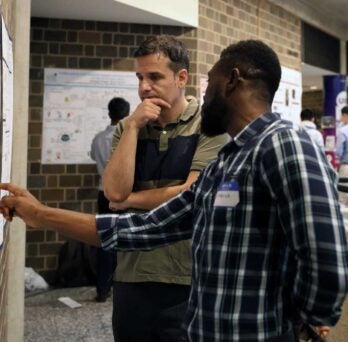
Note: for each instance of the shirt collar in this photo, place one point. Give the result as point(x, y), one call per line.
point(190, 110)
point(308, 124)
point(254, 128)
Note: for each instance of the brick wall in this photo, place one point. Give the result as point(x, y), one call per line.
point(313, 100)
point(110, 46)
point(79, 45)
point(225, 22)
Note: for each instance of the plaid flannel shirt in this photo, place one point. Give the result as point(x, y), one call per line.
point(278, 254)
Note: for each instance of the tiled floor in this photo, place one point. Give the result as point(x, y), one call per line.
point(48, 320)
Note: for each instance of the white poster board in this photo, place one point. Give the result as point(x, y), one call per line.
point(203, 84)
point(288, 98)
point(7, 113)
point(75, 110)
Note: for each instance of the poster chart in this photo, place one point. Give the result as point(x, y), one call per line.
point(75, 110)
point(288, 98)
point(6, 112)
point(203, 84)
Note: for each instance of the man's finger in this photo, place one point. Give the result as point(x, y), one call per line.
point(323, 331)
point(7, 213)
point(16, 190)
point(8, 201)
point(160, 102)
point(113, 206)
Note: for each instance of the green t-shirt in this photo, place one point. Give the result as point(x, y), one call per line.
point(165, 156)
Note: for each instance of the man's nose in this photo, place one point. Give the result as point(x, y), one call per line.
point(145, 85)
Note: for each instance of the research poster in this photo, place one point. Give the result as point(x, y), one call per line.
point(288, 98)
point(6, 112)
point(202, 88)
point(75, 110)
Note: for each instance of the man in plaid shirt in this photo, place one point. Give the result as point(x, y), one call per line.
point(268, 239)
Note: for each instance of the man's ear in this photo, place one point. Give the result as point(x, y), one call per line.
point(181, 78)
point(233, 79)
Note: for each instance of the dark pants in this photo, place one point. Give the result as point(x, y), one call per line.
point(287, 337)
point(106, 261)
point(142, 311)
point(168, 327)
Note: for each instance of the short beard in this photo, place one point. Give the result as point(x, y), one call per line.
point(214, 117)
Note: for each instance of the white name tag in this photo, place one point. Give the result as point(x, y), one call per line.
point(227, 195)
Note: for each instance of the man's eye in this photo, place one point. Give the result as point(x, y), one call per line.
point(155, 77)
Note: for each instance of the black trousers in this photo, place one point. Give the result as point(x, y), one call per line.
point(168, 327)
point(142, 311)
point(106, 261)
point(287, 337)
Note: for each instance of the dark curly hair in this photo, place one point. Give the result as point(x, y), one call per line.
point(170, 47)
point(344, 110)
point(307, 114)
point(118, 108)
point(255, 61)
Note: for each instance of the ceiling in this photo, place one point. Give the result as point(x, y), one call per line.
point(106, 10)
point(312, 77)
point(332, 11)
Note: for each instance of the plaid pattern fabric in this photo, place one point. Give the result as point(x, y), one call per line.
point(280, 253)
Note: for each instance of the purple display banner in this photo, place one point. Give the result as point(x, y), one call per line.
point(335, 97)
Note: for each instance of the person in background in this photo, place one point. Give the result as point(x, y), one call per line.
point(268, 241)
point(100, 153)
point(342, 143)
point(161, 150)
point(308, 123)
point(342, 151)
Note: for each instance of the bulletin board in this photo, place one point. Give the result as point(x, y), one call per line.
point(75, 110)
point(288, 98)
point(6, 76)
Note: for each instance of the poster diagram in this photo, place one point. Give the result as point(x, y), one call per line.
point(6, 112)
point(288, 98)
point(75, 110)
point(203, 84)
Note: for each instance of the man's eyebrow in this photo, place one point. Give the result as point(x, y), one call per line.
point(151, 73)
point(155, 73)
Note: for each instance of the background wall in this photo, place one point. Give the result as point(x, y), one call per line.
point(314, 100)
point(223, 22)
point(109, 46)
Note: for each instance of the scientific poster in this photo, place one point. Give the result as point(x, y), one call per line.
point(75, 110)
point(288, 98)
point(202, 88)
point(7, 112)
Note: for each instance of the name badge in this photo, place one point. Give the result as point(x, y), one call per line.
point(227, 194)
